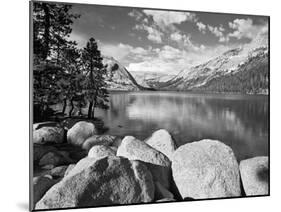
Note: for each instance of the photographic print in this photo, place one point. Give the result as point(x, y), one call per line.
point(139, 105)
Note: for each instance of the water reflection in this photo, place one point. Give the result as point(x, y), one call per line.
point(240, 121)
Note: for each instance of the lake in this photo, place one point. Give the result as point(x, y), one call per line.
point(240, 121)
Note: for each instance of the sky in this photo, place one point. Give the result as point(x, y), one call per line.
point(163, 41)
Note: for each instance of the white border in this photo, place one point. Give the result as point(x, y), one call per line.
point(15, 90)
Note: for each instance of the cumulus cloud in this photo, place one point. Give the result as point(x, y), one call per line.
point(136, 14)
point(153, 33)
point(162, 24)
point(170, 53)
point(168, 18)
point(184, 40)
point(201, 27)
point(176, 36)
point(244, 28)
point(218, 32)
point(121, 51)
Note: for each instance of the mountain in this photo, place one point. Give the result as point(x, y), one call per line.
point(119, 78)
point(250, 77)
point(151, 79)
point(243, 70)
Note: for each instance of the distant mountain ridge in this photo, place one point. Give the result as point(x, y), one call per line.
point(250, 77)
point(151, 79)
point(119, 78)
point(241, 70)
point(233, 71)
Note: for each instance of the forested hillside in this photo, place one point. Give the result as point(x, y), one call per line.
point(252, 77)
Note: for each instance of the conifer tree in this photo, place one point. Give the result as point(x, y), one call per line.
point(51, 29)
point(52, 26)
point(95, 71)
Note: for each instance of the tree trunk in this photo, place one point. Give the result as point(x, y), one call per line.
point(95, 103)
point(64, 106)
point(72, 107)
point(58, 53)
point(46, 35)
point(93, 112)
point(90, 109)
point(80, 111)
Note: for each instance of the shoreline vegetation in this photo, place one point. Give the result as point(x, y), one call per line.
point(75, 166)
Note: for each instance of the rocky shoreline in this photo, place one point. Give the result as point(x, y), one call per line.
point(77, 167)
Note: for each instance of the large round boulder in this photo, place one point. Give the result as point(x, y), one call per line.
point(255, 175)
point(100, 151)
point(157, 163)
point(48, 135)
point(206, 169)
point(106, 140)
point(79, 132)
point(162, 141)
point(108, 181)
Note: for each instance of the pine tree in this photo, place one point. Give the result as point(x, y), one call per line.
point(51, 28)
point(95, 71)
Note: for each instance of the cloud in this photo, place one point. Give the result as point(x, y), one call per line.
point(80, 39)
point(162, 25)
point(170, 53)
point(176, 36)
point(136, 14)
point(120, 51)
point(202, 27)
point(166, 59)
point(124, 53)
point(152, 33)
point(185, 41)
point(215, 30)
point(167, 18)
point(244, 28)
point(218, 32)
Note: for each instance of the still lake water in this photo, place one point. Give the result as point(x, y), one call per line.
point(240, 121)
